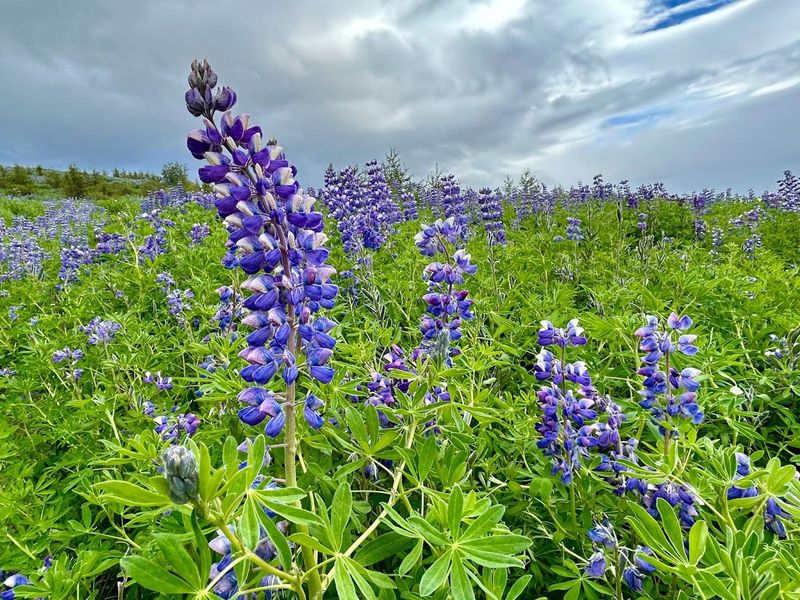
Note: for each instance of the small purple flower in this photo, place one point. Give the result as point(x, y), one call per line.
point(261, 404)
point(596, 566)
point(633, 578)
point(311, 411)
point(603, 533)
point(571, 336)
point(773, 518)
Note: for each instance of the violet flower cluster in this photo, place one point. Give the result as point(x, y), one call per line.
point(177, 300)
point(454, 204)
point(408, 201)
point(667, 392)
point(229, 311)
point(198, 233)
point(72, 357)
point(99, 331)
point(278, 240)
point(571, 425)
point(774, 515)
point(171, 425)
point(492, 215)
point(632, 562)
point(447, 305)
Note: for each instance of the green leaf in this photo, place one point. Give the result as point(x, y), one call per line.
point(201, 543)
point(303, 539)
point(493, 560)
point(698, 536)
point(488, 519)
point(432, 535)
point(277, 539)
point(131, 494)
point(672, 527)
point(716, 586)
point(381, 548)
point(508, 543)
point(455, 506)
point(340, 512)
point(300, 516)
point(650, 531)
point(286, 495)
point(356, 424)
point(178, 558)
point(345, 590)
point(152, 576)
point(434, 577)
point(230, 455)
point(518, 587)
point(460, 586)
point(427, 454)
point(248, 524)
point(778, 479)
point(411, 559)
point(359, 578)
point(203, 469)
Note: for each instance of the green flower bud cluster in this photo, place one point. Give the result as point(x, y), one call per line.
point(181, 472)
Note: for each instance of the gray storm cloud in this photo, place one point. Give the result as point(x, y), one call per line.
point(483, 89)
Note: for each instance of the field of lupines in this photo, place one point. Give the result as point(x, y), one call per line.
point(402, 390)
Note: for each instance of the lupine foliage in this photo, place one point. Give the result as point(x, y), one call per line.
point(612, 415)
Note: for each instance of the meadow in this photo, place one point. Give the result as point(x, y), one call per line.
point(404, 390)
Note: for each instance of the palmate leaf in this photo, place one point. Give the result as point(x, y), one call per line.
point(152, 576)
point(178, 558)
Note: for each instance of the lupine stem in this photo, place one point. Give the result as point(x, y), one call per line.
point(668, 426)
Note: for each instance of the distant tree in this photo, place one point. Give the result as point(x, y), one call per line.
point(39, 170)
point(19, 181)
point(52, 179)
point(74, 183)
point(397, 174)
point(115, 173)
point(174, 173)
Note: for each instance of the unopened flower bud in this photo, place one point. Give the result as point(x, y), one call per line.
point(181, 471)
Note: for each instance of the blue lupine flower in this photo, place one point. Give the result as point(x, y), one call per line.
point(199, 232)
point(12, 582)
point(641, 563)
point(571, 336)
point(99, 331)
point(773, 518)
point(633, 578)
point(275, 236)
point(310, 411)
point(677, 387)
point(603, 533)
point(492, 214)
point(597, 565)
point(447, 306)
point(261, 404)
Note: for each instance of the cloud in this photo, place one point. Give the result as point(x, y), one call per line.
point(484, 88)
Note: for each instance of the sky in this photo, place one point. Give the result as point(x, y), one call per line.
point(694, 93)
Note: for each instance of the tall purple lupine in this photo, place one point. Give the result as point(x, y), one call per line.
point(383, 214)
point(668, 393)
point(454, 205)
point(492, 215)
point(572, 407)
point(278, 240)
point(409, 201)
point(448, 306)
